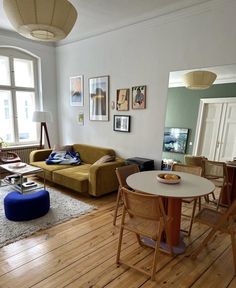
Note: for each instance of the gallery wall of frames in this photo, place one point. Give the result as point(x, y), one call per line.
point(99, 101)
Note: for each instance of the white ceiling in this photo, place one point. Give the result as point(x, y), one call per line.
point(99, 16)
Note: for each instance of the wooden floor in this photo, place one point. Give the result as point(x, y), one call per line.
point(81, 253)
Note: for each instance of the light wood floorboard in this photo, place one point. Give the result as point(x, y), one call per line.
point(80, 253)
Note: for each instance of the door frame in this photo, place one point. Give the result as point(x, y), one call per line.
point(202, 105)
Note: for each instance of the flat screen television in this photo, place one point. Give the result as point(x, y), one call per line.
point(175, 140)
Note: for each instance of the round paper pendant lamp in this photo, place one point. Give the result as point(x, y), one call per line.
point(199, 79)
point(44, 20)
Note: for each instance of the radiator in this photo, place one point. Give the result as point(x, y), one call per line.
point(23, 152)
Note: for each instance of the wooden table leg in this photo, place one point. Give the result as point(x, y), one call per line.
point(174, 212)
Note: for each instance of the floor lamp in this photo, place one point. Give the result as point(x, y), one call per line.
point(43, 117)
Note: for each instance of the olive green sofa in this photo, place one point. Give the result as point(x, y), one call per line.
point(90, 178)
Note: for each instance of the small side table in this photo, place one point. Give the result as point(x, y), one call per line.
point(143, 163)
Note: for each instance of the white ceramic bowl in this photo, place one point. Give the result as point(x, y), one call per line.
point(160, 178)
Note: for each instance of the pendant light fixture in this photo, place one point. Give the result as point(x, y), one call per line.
point(199, 80)
point(42, 20)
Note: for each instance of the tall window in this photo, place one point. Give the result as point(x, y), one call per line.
point(18, 96)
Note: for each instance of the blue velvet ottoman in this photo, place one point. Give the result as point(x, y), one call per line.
point(22, 207)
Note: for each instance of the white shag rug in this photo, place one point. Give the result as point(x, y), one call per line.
point(62, 208)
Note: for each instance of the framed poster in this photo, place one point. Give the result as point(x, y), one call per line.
point(98, 98)
point(122, 100)
point(76, 91)
point(121, 123)
point(175, 140)
point(139, 97)
point(81, 118)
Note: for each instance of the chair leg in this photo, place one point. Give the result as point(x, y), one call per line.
point(119, 245)
point(139, 240)
point(120, 236)
point(155, 256)
point(199, 203)
point(192, 216)
point(203, 244)
point(117, 205)
point(233, 249)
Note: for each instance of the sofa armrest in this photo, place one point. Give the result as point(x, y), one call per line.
point(102, 177)
point(39, 155)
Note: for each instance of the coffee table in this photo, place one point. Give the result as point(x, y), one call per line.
point(21, 172)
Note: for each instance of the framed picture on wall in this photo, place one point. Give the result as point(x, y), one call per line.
point(99, 98)
point(81, 118)
point(76, 91)
point(122, 99)
point(175, 140)
point(121, 123)
point(139, 97)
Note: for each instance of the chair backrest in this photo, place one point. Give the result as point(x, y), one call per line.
point(138, 204)
point(215, 169)
point(124, 171)
point(196, 170)
point(194, 160)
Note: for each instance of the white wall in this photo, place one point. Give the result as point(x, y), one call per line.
point(143, 54)
point(46, 54)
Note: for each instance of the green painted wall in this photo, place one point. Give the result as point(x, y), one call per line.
point(182, 110)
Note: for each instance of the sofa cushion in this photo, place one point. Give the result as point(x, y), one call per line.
point(75, 178)
point(90, 154)
point(48, 169)
point(104, 159)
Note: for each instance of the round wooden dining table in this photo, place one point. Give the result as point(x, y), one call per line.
point(189, 186)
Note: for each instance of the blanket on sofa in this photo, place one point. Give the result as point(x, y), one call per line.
point(63, 157)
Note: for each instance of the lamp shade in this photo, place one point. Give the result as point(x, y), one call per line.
point(199, 79)
point(45, 20)
point(42, 116)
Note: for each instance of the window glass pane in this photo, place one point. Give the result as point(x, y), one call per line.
point(24, 73)
point(4, 70)
point(6, 117)
point(25, 102)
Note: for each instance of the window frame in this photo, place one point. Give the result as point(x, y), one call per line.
point(14, 53)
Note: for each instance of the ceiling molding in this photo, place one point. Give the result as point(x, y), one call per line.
point(168, 14)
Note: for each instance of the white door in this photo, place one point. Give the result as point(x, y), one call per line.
point(227, 143)
point(209, 130)
point(216, 129)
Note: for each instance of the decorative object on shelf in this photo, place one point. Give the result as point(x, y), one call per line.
point(175, 140)
point(43, 117)
point(98, 98)
point(121, 123)
point(76, 91)
point(122, 99)
point(199, 80)
point(81, 118)
point(139, 97)
point(49, 20)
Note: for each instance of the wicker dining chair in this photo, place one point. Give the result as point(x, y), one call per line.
point(122, 174)
point(217, 173)
point(218, 221)
point(193, 160)
point(196, 170)
point(146, 217)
